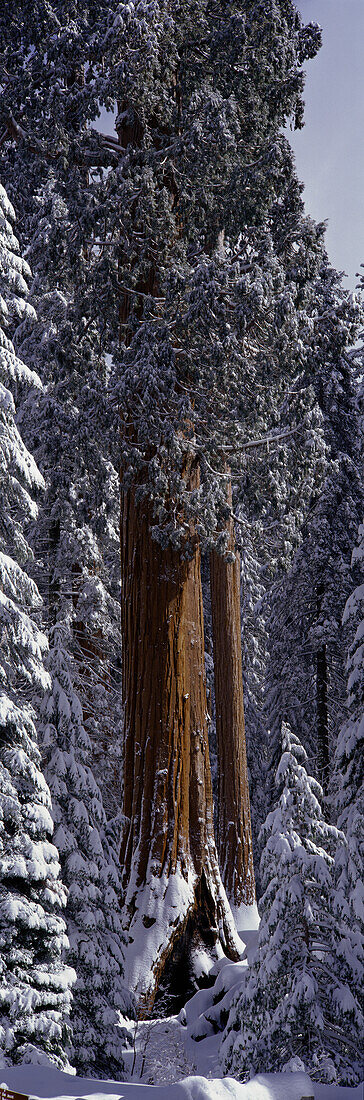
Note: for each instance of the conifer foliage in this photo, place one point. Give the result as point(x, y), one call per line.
point(349, 754)
point(76, 535)
point(306, 670)
point(297, 1001)
point(349, 783)
point(89, 871)
point(34, 981)
point(182, 267)
point(192, 344)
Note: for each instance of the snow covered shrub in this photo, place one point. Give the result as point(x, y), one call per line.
point(90, 873)
point(34, 982)
point(296, 1002)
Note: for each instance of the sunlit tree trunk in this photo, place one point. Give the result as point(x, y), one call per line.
point(234, 837)
point(172, 886)
point(168, 856)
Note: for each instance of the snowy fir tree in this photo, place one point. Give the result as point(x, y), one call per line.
point(349, 784)
point(76, 538)
point(254, 645)
point(35, 982)
point(306, 669)
point(90, 872)
point(296, 1002)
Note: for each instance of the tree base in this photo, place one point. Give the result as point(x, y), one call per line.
point(174, 923)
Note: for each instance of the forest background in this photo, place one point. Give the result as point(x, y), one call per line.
point(188, 357)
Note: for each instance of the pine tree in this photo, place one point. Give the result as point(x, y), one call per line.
point(90, 873)
point(35, 982)
point(296, 1002)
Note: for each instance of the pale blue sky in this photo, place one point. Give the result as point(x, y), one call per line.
point(330, 149)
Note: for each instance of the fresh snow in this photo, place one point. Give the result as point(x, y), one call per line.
point(161, 897)
point(51, 1084)
point(166, 1062)
point(177, 1058)
point(166, 899)
point(246, 917)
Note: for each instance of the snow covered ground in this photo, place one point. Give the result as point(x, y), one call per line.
point(47, 1083)
point(177, 1058)
point(170, 1060)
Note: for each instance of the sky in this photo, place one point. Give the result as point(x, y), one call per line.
point(330, 149)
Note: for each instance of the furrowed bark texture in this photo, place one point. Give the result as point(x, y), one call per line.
point(156, 694)
point(171, 879)
point(167, 782)
point(234, 839)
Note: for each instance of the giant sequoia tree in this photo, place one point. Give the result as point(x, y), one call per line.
point(195, 265)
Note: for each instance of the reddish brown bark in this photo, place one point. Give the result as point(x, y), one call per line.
point(234, 824)
point(200, 789)
point(155, 689)
point(167, 782)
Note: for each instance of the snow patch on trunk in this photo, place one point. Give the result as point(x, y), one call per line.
point(163, 903)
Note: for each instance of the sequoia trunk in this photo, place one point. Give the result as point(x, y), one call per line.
point(234, 823)
point(170, 870)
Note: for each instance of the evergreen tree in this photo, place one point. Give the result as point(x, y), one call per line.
point(255, 649)
point(306, 669)
point(296, 1001)
point(35, 983)
point(90, 873)
point(76, 538)
point(204, 331)
point(205, 70)
point(349, 785)
point(234, 833)
point(198, 264)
